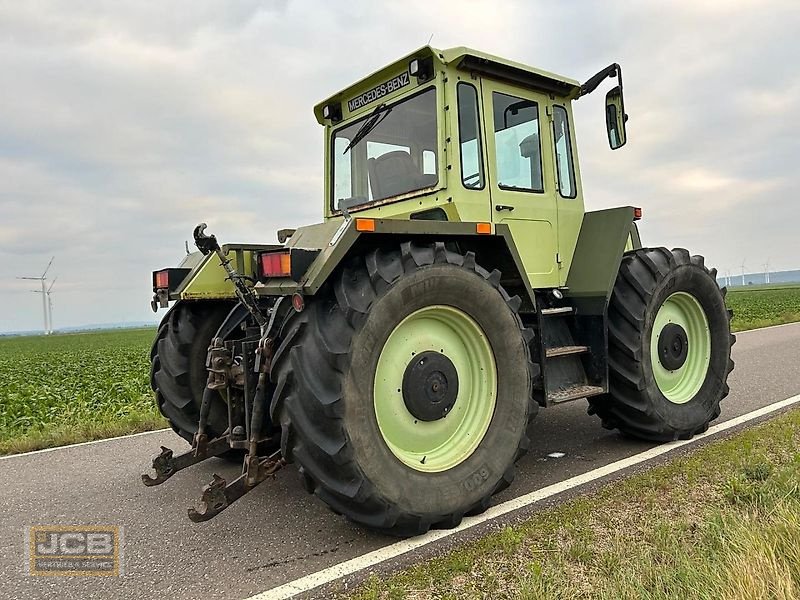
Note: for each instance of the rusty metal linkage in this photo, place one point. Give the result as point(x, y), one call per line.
point(166, 465)
point(219, 495)
point(230, 366)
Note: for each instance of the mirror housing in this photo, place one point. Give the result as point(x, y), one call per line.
point(615, 118)
point(615, 104)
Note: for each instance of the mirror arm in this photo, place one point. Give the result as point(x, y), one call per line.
point(595, 80)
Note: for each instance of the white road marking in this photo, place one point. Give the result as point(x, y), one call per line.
point(767, 327)
point(370, 559)
point(119, 437)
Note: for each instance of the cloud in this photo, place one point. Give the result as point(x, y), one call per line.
point(122, 125)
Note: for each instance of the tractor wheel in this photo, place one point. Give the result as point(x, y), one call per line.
point(669, 352)
point(403, 389)
point(178, 373)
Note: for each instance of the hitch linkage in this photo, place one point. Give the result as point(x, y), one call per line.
point(229, 364)
point(166, 465)
point(219, 495)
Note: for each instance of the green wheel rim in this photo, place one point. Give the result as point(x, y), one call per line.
point(682, 384)
point(435, 446)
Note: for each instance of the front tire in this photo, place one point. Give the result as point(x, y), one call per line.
point(669, 347)
point(365, 389)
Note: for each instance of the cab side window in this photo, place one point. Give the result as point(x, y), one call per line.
point(517, 147)
point(469, 137)
point(564, 166)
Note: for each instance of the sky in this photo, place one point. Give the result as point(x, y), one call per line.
point(124, 124)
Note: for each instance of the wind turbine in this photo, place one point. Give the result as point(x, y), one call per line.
point(743, 271)
point(766, 272)
point(43, 279)
point(50, 303)
point(48, 293)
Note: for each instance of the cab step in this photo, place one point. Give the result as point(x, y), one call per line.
point(565, 351)
point(574, 393)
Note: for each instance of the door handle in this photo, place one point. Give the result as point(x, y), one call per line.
point(499, 207)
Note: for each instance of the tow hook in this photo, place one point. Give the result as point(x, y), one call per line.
point(160, 300)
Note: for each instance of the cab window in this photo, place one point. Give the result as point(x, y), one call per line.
point(469, 137)
point(390, 152)
point(564, 167)
point(517, 146)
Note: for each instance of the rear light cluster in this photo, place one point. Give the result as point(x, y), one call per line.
point(276, 264)
point(169, 279)
point(287, 262)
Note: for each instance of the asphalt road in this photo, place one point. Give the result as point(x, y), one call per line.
point(278, 532)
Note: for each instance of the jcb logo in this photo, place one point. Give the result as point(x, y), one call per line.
point(75, 550)
point(77, 543)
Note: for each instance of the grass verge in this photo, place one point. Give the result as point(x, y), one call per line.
point(61, 435)
point(723, 522)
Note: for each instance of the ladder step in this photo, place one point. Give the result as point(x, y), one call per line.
point(565, 351)
point(561, 310)
point(574, 393)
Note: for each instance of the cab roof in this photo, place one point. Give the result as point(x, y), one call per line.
point(472, 61)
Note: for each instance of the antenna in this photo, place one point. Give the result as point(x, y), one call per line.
point(44, 292)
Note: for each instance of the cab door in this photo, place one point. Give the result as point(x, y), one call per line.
point(518, 142)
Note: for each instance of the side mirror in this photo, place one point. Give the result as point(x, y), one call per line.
point(615, 118)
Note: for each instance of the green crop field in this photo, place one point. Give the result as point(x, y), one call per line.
point(75, 387)
point(72, 387)
point(760, 306)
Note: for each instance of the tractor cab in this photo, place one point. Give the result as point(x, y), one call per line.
point(459, 135)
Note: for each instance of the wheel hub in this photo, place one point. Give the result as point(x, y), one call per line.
point(430, 386)
point(673, 346)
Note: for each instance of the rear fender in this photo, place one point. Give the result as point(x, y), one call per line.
point(336, 240)
point(208, 280)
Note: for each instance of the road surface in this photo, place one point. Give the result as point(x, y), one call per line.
point(278, 533)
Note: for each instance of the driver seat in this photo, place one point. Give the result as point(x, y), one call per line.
point(395, 173)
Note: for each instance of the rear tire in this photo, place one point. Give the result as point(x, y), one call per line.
point(325, 374)
point(665, 303)
point(178, 373)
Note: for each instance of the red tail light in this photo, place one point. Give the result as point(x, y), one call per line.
point(637, 214)
point(162, 279)
point(276, 264)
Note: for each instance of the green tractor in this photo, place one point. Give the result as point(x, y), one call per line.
point(397, 351)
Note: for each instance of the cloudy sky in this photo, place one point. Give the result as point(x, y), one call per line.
point(123, 124)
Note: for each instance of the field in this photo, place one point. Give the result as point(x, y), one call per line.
point(75, 387)
point(759, 306)
point(67, 388)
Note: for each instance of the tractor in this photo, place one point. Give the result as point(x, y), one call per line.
point(397, 351)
